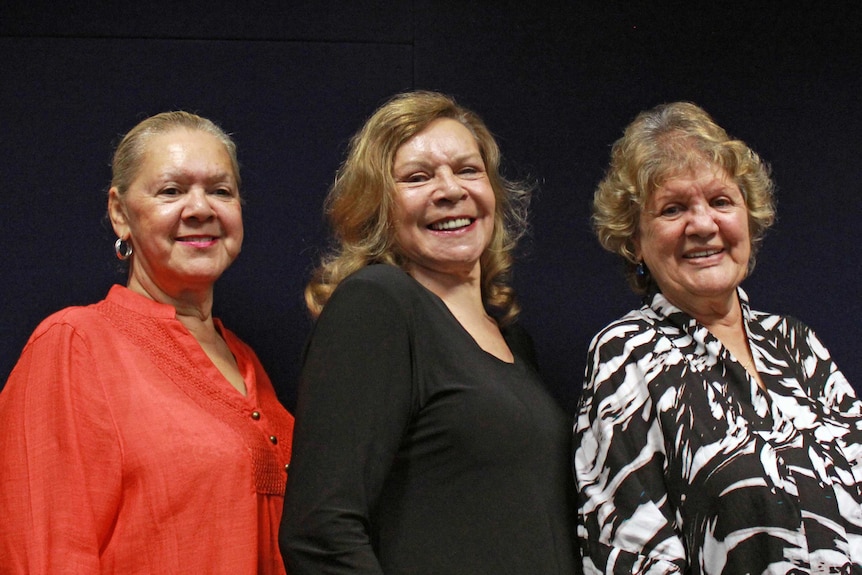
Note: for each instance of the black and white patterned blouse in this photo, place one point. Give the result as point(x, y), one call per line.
point(684, 465)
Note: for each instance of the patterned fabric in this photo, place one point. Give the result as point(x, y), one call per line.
point(685, 465)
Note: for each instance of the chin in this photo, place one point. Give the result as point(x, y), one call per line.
point(200, 277)
point(710, 291)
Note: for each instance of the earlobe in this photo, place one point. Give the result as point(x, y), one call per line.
point(117, 213)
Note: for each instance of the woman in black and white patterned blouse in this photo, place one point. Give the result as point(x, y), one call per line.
point(711, 438)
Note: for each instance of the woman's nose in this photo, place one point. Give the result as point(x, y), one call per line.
point(198, 205)
point(449, 187)
point(702, 220)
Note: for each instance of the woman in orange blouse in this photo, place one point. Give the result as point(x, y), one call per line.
point(138, 434)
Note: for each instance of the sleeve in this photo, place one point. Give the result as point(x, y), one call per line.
point(823, 381)
point(819, 373)
point(59, 459)
point(354, 405)
point(626, 523)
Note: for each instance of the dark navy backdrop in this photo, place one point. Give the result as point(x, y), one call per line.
point(556, 81)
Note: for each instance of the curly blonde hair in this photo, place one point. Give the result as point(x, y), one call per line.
point(359, 205)
point(659, 144)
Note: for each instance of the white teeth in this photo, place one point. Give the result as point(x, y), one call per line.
point(702, 254)
point(451, 224)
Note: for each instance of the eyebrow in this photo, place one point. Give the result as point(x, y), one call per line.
point(461, 158)
point(183, 176)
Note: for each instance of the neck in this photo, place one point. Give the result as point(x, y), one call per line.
point(461, 291)
point(724, 322)
point(193, 305)
point(723, 311)
point(727, 324)
point(462, 294)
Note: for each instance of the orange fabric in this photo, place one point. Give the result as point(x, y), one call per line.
point(124, 450)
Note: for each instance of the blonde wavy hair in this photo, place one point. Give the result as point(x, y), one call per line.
point(661, 143)
point(359, 205)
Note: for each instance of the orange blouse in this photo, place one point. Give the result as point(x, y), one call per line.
point(123, 449)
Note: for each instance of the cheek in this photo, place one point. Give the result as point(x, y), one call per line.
point(736, 231)
point(142, 225)
point(231, 216)
point(490, 200)
point(155, 218)
point(744, 227)
point(407, 206)
point(645, 240)
point(399, 223)
point(404, 231)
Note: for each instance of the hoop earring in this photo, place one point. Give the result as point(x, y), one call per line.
point(123, 249)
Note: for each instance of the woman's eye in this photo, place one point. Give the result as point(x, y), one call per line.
point(470, 171)
point(722, 202)
point(169, 192)
point(415, 178)
point(223, 192)
point(671, 211)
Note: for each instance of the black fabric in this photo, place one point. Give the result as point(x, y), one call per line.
point(417, 452)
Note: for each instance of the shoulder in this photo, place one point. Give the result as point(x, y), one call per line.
point(97, 323)
point(383, 277)
point(783, 331)
point(778, 327)
point(78, 319)
point(120, 305)
point(637, 326)
point(789, 336)
point(367, 316)
point(371, 298)
point(772, 322)
point(71, 336)
point(377, 284)
point(625, 356)
point(624, 359)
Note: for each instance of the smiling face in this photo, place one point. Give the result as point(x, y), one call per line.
point(694, 238)
point(444, 203)
point(182, 214)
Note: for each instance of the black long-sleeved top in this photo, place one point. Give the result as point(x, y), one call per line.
point(415, 451)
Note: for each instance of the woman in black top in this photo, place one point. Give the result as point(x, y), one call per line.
point(425, 440)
